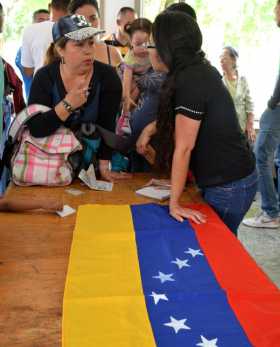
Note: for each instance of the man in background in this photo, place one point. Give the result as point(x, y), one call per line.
point(39, 16)
point(38, 37)
point(267, 142)
point(120, 39)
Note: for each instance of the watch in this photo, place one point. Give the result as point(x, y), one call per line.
point(68, 107)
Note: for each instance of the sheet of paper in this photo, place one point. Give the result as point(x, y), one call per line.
point(154, 192)
point(89, 178)
point(67, 211)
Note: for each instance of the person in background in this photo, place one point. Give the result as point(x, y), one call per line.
point(267, 142)
point(239, 90)
point(197, 126)
point(39, 16)
point(38, 36)
point(11, 102)
point(136, 65)
point(80, 91)
point(120, 39)
point(103, 52)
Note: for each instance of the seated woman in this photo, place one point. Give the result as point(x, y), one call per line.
point(80, 91)
point(197, 126)
point(89, 9)
point(239, 90)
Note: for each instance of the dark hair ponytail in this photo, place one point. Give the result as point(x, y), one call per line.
point(164, 139)
point(178, 41)
point(52, 54)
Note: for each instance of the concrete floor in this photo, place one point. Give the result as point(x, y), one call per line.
point(263, 245)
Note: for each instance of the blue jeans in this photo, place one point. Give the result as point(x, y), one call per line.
point(266, 144)
point(231, 201)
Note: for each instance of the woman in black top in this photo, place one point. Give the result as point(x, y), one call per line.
point(198, 110)
point(79, 90)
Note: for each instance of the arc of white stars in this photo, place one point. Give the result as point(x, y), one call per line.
point(177, 325)
point(181, 263)
point(164, 277)
point(207, 343)
point(158, 297)
point(194, 252)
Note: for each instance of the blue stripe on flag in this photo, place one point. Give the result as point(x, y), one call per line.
point(181, 291)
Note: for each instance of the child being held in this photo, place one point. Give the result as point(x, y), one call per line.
point(136, 64)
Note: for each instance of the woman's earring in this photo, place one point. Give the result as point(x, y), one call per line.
point(62, 60)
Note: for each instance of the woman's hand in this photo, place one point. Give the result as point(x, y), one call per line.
point(180, 213)
point(145, 137)
point(250, 131)
point(111, 176)
point(78, 95)
point(143, 142)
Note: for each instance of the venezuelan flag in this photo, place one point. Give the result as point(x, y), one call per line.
point(138, 278)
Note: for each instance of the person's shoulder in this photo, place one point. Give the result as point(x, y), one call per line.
point(36, 28)
point(48, 71)
point(104, 69)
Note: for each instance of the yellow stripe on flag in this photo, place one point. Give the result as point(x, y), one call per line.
point(104, 304)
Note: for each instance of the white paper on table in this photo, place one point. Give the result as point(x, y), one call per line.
point(154, 192)
point(67, 211)
point(89, 178)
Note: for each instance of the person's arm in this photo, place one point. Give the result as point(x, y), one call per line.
point(186, 130)
point(275, 98)
point(145, 138)
point(28, 71)
point(24, 204)
point(27, 60)
point(127, 83)
point(116, 56)
point(249, 107)
point(47, 123)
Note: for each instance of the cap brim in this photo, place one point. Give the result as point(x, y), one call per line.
point(84, 33)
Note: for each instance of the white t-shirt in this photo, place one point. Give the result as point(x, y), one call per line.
point(36, 40)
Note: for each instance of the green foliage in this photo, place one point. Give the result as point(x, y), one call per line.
point(18, 14)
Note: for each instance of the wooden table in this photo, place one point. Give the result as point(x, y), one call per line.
point(34, 252)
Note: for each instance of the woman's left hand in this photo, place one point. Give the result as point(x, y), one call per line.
point(113, 176)
point(180, 213)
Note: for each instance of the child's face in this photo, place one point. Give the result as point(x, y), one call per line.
point(138, 41)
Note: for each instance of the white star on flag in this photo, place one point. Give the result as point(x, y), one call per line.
point(177, 325)
point(158, 297)
point(164, 277)
point(194, 252)
point(181, 263)
point(207, 343)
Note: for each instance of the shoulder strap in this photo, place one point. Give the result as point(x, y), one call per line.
point(109, 55)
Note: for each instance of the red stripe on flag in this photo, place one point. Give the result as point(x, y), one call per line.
point(251, 294)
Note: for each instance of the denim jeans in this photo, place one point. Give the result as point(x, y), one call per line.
point(267, 142)
point(231, 201)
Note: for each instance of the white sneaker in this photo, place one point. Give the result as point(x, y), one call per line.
point(262, 220)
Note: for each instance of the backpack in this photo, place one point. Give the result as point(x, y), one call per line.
point(39, 161)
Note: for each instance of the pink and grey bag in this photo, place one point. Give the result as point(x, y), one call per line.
point(41, 161)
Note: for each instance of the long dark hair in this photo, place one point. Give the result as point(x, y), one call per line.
point(178, 41)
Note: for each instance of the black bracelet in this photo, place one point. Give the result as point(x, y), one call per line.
point(68, 107)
